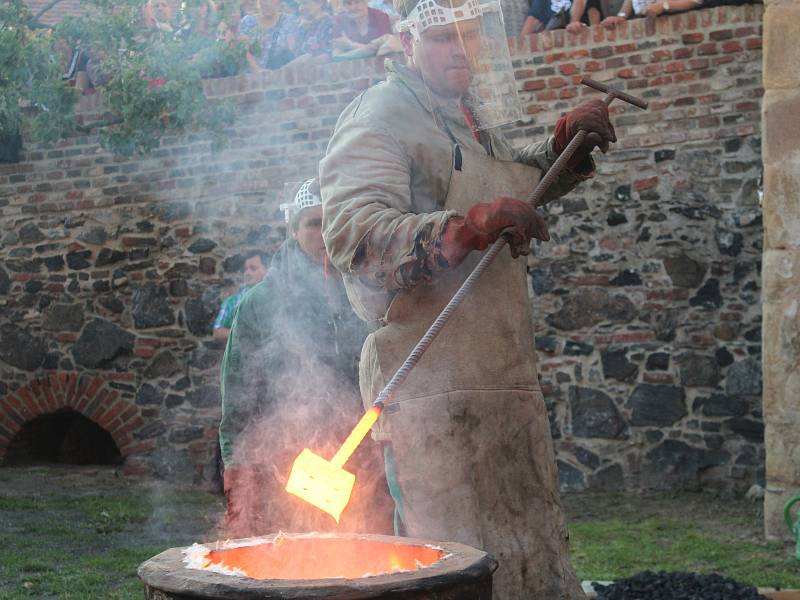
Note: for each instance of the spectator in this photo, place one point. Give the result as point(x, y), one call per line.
point(255, 267)
point(546, 14)
point(650, 8)
point(514, 15)
point(362, 31)
point(584, 13)
point(384, 6)
point(274, 32)
point(315, 32)
point(289, 373)
point(159, 15)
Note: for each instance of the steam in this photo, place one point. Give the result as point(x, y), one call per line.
point(309, 401)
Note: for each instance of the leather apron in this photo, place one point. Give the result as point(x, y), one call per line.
point(468, 429)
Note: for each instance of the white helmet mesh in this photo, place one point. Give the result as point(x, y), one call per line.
point(303, 198)
point(428, 13)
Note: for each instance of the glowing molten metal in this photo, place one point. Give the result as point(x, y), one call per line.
point(307, 557)
point(325, 484)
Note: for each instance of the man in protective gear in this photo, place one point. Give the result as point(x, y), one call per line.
point(415, 179)
point(290, 367)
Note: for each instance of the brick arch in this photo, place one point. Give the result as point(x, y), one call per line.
point(84, 393)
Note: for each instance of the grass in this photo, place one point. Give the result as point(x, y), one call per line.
point(690, 532)
point(81, 534)
point(78, 533)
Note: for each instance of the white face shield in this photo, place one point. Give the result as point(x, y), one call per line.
point(300, 196)
point(492, 93)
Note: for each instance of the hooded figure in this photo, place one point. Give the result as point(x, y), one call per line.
point(412, 187)
point(290, 371)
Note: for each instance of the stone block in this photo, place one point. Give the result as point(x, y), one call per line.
point(774, 525)
point(781, 127)
point(783, 476)
point(781, 23)
point(780, 275)
point(781, 360)
point(782, 204)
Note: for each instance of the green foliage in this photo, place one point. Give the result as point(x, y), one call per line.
point(30, 78)
point(151, 80)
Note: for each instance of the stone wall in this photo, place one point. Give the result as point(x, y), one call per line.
point(646, 300)
point(781, 260)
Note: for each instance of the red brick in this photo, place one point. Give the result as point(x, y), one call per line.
point(698, 63)
point(731, 46)
point(706, 49)
point(627, 73)
point(97, 406)
point(659, 81)
point(693, 38)
point(632, 337)
point(644, 184)
point(135, 240)
point(682, 53)
point(720, 34)
point(557, 82)
point(546, 96)
point(568, 69)
point(30, 401)
point(650, 377)
point(143, 352)
point(592, 65)
point(129, 412)
point(674, 67)
point(754, 43)
point(623, 48)
point(659, 55)
point(680, 77)
point(601, 52)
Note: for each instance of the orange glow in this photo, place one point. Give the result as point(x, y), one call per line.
point(325, 484)
point(322, 558)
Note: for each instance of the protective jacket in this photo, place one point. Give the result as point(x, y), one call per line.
point(468, 429)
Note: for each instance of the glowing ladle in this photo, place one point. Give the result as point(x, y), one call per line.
point(325, 484)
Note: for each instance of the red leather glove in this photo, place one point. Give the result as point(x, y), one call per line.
point(591, 116)
point(484, 223)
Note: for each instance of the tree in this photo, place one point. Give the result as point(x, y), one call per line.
point(150, 78)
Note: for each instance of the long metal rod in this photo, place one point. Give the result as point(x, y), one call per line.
point(535, 199)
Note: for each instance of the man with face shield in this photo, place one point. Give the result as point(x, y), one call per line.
point(414, 181)
point(290, 364)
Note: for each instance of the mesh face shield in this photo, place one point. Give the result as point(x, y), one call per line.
point(478, 28)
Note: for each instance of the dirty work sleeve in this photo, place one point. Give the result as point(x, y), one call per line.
point(241, 374)
point(369, 225)
point(542, 155)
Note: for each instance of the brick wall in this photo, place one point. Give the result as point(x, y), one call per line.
point(646, 299)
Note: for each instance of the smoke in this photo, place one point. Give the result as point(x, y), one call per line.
point(299, 382)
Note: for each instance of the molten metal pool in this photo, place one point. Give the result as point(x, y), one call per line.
point(346, 566)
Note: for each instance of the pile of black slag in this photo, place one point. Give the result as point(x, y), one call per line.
point(676, 586)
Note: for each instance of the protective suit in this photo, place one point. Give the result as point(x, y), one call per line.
point(289, 371)
point(468, 430)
